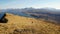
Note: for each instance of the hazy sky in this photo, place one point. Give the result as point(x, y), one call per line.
point(4, 4)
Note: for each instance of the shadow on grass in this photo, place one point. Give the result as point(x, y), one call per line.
point(3, 19)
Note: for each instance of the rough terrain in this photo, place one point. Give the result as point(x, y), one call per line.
point(25, 25)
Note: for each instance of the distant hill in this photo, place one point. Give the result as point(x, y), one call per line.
point(49, 14)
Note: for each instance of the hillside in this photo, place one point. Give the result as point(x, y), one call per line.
point(24, 25)
point(50, 14)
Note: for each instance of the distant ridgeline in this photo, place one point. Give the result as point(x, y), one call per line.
point(44, 13)
point(48, 16)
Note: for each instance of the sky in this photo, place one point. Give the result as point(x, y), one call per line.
point(5, 4)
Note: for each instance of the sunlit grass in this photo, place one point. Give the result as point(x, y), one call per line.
point(24, 25)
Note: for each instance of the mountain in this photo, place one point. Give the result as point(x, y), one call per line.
point(49, 14)
point(25, 25)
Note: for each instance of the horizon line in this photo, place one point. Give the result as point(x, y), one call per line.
point(28, 7)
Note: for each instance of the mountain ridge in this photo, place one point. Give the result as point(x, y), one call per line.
point(22, 25)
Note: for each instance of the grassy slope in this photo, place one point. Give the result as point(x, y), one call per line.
point(25, 25)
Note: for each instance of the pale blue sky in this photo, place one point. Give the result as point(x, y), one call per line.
point(4, 4)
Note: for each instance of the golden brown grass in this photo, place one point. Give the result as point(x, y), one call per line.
point(24, 25)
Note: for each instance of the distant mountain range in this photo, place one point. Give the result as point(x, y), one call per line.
point(50, 10)
point(49, 14)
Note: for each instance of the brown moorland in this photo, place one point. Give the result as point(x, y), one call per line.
point(25, 25)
